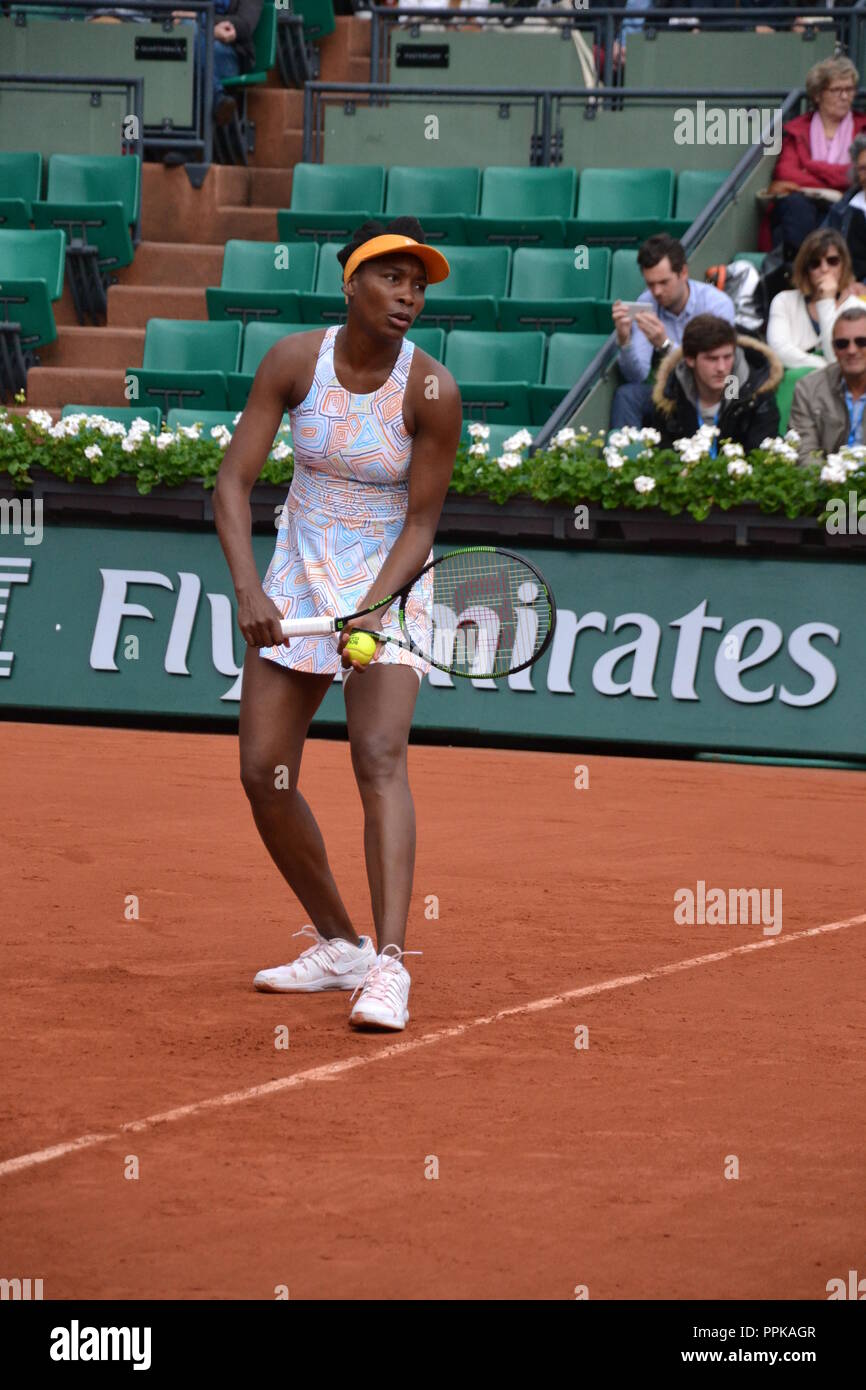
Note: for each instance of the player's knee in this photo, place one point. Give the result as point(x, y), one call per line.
point(263, 779)
point(378, 758)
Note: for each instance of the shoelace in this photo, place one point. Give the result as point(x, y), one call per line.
point(381, 980)
point(322, 945)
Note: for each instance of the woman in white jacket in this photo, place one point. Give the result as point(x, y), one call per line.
point(800, 327)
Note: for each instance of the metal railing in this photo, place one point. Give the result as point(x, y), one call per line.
point(131, 87)
point(198, 137)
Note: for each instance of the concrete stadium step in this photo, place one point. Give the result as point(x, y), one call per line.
point(248, 224)
point(270, 188)
point(86, 348)
point(189, 265)
point(49, 387)
point(130, 306)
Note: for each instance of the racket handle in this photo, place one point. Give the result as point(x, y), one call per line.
point(307, 627)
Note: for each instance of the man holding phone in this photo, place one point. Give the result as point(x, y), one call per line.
point(656, 321)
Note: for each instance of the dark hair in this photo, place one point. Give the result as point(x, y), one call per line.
point(819, 242)
point(705, 333)
point(402, 226)
point(655, 248)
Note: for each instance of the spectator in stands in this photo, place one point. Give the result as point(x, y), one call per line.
point(849, 215)
point(233, 50)
point(800, 327)
point(718, 377)
point(672, 299)
point(828, 407)
point(814, 154)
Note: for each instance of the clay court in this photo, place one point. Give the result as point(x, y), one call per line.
point(558, 1167)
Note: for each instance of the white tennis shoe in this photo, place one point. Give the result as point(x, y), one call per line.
point(334, 964)
point(384, 1001)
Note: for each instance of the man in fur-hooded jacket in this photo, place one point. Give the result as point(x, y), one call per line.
point(717, 377)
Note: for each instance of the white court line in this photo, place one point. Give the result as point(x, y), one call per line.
point(333, 1069)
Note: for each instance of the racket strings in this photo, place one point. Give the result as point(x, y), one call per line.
point(490, 613)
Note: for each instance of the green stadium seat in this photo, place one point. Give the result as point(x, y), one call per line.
point(441, 199)
point(96, 200)
point(330, 200)
point(785, 392)
point(263, 280)
point(695, 188)
point(620, 207)
point(568, 356)
point(20, 186)
point(467, 299)
point(626, 282)
point(187, 363)
point(549, 292)
point(259, 338)
point(494, 372)
point(756, 258)
point(523, 207)
point(31, 278)
point(123, 414)
point(431, 340)
point(318, 17)
point(232, 142)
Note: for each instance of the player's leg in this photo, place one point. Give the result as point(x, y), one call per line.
point(380, 703)
point(277, 706)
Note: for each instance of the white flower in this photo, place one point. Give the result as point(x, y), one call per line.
point(738, 468)
point(564, 436)
point(280, 451)
point(10, 429)
point(190, 431)
point(619, 439)
point(644, 484)
point(509, 460)
point(93, 451)
point(479, 431)
point(732, 451)
point(40, 417)
point(131, 443)
point(521, 440)
point(833, 472)
point(222, 435)
point(477, 451)
point(140, 426)
point(164, 439)
point(792, 437)
point(613, 458)
point(650, 436)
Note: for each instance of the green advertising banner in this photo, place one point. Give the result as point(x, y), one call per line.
point(703, 652)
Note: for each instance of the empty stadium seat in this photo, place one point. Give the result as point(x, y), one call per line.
point(550, 292)
point(523, 207)
point(494, 372)
point(785, 392)
point(96, 200)
point(467, 299)
point(441, 199)
point(431, 340)
point(20, 186)
point(330, 200)
point(31, 277)
point(568, 356)
point(263, 280)
point(695, 188)
point(186, 363)
point(259, 338)
point(620, 206)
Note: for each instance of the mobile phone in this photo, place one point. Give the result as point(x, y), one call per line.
point(634, 308)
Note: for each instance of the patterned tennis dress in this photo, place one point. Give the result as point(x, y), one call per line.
point(344, 511)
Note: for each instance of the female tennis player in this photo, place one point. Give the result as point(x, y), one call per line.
point(375, 427)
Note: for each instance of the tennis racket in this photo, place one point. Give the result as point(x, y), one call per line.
point(480, 612)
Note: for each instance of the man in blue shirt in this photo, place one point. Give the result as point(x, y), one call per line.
point(233, 50)
point(672, 299)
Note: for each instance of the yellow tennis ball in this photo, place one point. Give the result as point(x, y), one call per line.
point(361, 647)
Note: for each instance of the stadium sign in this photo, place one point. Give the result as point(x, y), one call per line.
point(693, 651)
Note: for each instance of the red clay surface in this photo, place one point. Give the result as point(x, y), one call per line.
point(602, 1167)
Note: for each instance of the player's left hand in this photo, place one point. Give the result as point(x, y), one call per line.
point(347, 661)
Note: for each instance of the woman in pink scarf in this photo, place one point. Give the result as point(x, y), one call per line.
point(814, 153)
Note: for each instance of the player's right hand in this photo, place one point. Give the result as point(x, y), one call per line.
point(259, 619)
point(621, 322)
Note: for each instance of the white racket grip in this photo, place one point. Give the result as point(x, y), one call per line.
point(307, 627)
